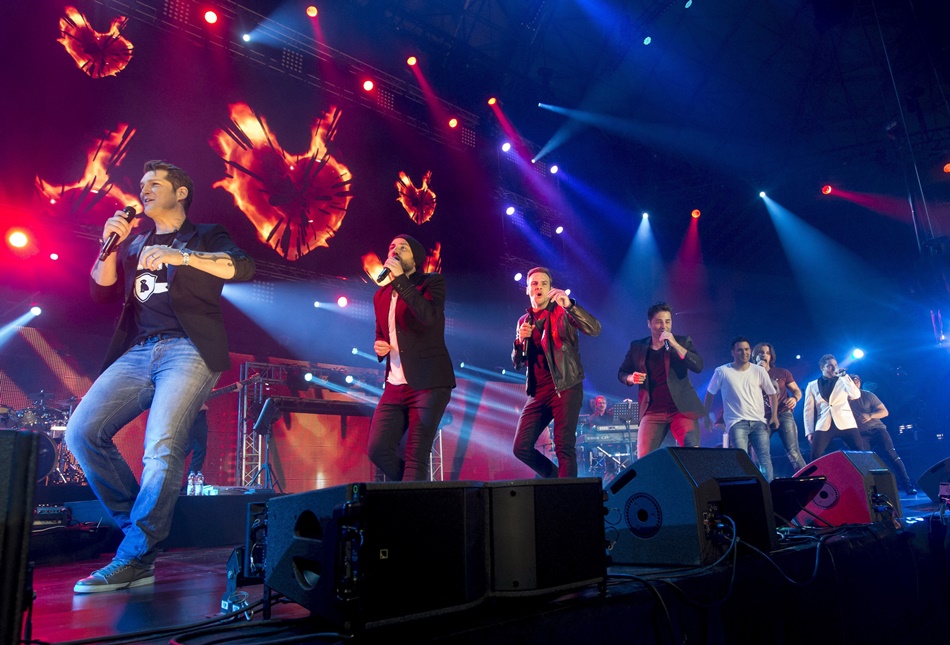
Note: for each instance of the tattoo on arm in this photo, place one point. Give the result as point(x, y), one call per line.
point(215, 257)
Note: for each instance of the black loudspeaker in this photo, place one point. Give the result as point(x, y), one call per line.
point(930, 480)
point(371, 554)
point(18, 455)
point(546, 535)
point(666, 507)
point(859, 489)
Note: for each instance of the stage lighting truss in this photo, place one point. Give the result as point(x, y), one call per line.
point(298, 55)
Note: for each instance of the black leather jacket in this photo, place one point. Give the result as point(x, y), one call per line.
point(559, 344)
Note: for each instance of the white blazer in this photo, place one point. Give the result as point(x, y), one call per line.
point(837, 407)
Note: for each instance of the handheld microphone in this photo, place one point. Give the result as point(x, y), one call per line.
point(109, 245)
point(383, 275)
point(667, 343)
point(524, 343)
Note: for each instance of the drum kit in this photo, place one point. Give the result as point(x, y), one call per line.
point(47, 418)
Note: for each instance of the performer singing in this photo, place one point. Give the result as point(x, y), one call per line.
point(410, 337)
point(546, 343)
point(168, 350)
point(828, 398)
point(659, 364)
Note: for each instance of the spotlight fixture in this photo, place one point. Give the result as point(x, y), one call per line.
point(857, 353)
point(342, 301)
point(211, 17)
point(762, 194)
point(510, 210)
point(492, 100)
point(695, 213)
point(518, 276)
point(354, 351)
point(553, 169)
point(54, 256)
point(368, 85)
point(453, 122)
point(505, 147)
point(826, 190)
point(462, 365)
point(312, 11)
point(647, 40)
point(646, 216)
point(246, 38)
point(559, 230)
point(316, 304)
point(411, 61)
point(36, 311)
point(946, 168)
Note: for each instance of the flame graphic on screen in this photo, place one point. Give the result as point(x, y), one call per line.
point(95, 189)
point(419, 202)
point(296, 203)
point(97, 54)
point(372, 265)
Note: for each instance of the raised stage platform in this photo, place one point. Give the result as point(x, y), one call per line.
point(853, 584)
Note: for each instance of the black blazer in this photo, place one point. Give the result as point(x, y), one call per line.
point(195, 295)
point(677, 377)
point(420, 329)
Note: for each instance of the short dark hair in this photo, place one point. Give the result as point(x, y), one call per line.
point(825, 359)
point(176, 176)
point(657, 308)
point(543, 270)
point(737, 339)
point(758, 346)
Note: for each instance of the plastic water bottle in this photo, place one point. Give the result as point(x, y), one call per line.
point(191, 484)
point(199, 483)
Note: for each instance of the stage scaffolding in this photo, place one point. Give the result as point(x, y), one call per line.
point(250, 445)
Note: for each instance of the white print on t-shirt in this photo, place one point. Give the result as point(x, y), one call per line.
point(147, 284)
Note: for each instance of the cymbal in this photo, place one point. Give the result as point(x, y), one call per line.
point(41, 395)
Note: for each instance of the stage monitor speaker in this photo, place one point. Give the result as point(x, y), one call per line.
point(930, 480)
point(664, 509)
point(546, 535)
point(18, 455)
point(371, 554)
point(859, 489)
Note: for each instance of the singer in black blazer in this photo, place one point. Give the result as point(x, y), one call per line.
point(414, 408)
point(688, 404)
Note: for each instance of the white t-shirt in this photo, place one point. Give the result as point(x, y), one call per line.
point(741, 392)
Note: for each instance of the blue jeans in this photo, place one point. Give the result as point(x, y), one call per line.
point(788, 432)
point(169, 378)
point(742, 432)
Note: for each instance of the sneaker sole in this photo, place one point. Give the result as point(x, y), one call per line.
point(141, 582)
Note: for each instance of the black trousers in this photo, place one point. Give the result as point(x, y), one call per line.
point(538, 412)
point(198, 442)
point(821, 439)
point(879, 439)
point(404, 411)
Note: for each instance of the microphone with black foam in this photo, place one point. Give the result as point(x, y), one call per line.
point(109, 245)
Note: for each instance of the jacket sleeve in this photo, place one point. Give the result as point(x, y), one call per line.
point(425, 305)
point(851, 388)
point(219, 240)
point(694, 362)
point(517, 352)
point(808, 413)
point(583, 320)
point(629, 365)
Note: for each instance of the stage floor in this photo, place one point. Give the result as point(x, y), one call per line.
point(891, 585)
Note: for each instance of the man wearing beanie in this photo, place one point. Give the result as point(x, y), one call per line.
point(546, 342)
point(410, 337)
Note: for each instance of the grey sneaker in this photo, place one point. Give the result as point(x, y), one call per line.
point(118, 575)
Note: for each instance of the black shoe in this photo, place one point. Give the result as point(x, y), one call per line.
point(910, 490)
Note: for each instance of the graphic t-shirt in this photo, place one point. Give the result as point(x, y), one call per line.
point(153, 306)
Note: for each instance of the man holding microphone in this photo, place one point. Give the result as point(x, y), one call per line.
point(828, 414)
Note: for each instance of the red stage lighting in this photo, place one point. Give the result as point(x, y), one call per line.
point(312, 11)
point(368, 86)
point(453, 123)
point(946, 168)
point(826, 190)
point(695, 213)
point(492, 100)
point(411, 61)
point(17, 239)
point(211, 17)
point(342, 301)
